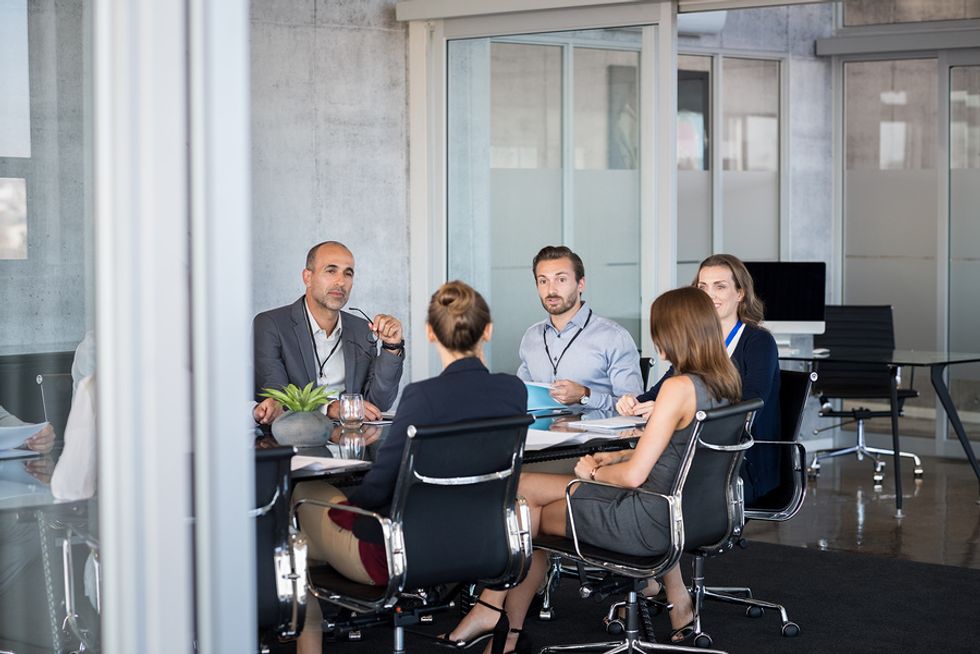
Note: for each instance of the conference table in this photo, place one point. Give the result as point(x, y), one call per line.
point(346, 454)
point(936, 362)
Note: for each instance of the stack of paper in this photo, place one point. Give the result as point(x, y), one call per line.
point(14, 437)
point(323, 463)
point(616, 423)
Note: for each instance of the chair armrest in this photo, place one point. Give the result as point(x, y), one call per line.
point(676, 522)
point(394, 543)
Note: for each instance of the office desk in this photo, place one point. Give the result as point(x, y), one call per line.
point(937, 362)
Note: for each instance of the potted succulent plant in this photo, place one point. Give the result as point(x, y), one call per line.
point(303, 423)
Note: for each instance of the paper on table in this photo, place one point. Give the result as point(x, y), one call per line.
point(11, 437)
point(538, 439)
point(539, 397)
point(315, 463)
point(616, 423)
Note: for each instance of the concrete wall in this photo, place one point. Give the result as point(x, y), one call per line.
point(44, 296)
point(330, 146)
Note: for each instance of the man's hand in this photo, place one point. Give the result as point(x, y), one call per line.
point(371, 412)
point(266, 411)
point(388, 328)
point(567, 392)
point(42, 441)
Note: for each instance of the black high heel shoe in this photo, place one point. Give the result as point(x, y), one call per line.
point(500, 627)
point(523, 645)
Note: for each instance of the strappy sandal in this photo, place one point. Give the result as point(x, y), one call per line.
point(523, 645)
point(501, 627)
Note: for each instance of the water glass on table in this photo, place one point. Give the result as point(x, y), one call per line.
point(351, 410)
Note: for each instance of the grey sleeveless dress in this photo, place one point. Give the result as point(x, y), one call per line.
point(627, 521)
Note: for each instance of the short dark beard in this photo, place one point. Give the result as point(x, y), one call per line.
point(566, 305)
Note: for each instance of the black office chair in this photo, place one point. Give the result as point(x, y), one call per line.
point(454, 519)
point(866, 330)
point(785, 500)
point(705, 491)
point(56, 392)
point(280, 550)
point(646, 363)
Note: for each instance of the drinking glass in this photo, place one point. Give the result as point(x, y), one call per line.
point(352, 445)
point(352, 410)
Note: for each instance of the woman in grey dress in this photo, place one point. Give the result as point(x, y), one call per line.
point(685, 328)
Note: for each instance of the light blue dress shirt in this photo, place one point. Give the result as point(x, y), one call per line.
point(602, 357)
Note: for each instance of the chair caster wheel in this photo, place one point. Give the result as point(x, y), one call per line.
point(917, 473)
point(703, 641)
point(614, 627)
point(755, 612)
point(878, 478)
point(791, 630)
point(813, 472)
point(546, 615)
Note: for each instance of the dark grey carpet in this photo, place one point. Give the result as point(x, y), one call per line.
point(843, 602)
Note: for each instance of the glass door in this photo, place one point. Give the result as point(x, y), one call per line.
point(543, 149)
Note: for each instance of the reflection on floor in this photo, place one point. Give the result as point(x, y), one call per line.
point(844, 512)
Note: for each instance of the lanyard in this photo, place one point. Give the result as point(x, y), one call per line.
point(544, 332)
point(732, 334)
point(316, 354)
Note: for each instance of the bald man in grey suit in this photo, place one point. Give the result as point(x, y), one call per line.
point(301, 343)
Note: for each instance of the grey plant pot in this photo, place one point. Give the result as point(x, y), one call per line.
point(302, 428)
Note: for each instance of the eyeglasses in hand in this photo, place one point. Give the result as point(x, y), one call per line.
point(372, 335)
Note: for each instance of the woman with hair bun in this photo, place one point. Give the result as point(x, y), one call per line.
point(458, 324)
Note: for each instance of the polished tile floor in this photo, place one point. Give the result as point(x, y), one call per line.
point(843, 512)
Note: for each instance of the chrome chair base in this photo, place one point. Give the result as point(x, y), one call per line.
point(755, 608)
point(632, 641)
point(862, 449)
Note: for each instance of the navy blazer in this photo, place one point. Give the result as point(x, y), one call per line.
point(284, 355)
point(465, 390)
point(757, 360)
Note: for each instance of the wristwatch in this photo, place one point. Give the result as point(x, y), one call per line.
point(584, 400)
point(393, 346)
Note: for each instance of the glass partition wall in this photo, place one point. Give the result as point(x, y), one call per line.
point(964, 237)
point(745, 94)
point(927, 270)
point(47, 344)
point(543, 149)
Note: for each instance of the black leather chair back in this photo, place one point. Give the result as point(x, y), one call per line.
point(271, 513)
point(857, 329)
point(794, 390)
point(708, 490)
point(457, 486)
point(646, 363)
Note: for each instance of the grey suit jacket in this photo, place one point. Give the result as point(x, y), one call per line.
point(284, 355)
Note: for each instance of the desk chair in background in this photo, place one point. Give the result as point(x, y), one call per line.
point(704, 511)
point(280, 551)
point(864, 330)
point(454, 520)
point(784, 501)
point(56, 392)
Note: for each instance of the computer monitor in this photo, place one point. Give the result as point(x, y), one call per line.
point(793, 293)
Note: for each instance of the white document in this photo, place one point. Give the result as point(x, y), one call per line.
point(616, 423)
point(11, 437)
point(317, 463)
point(539, 439)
